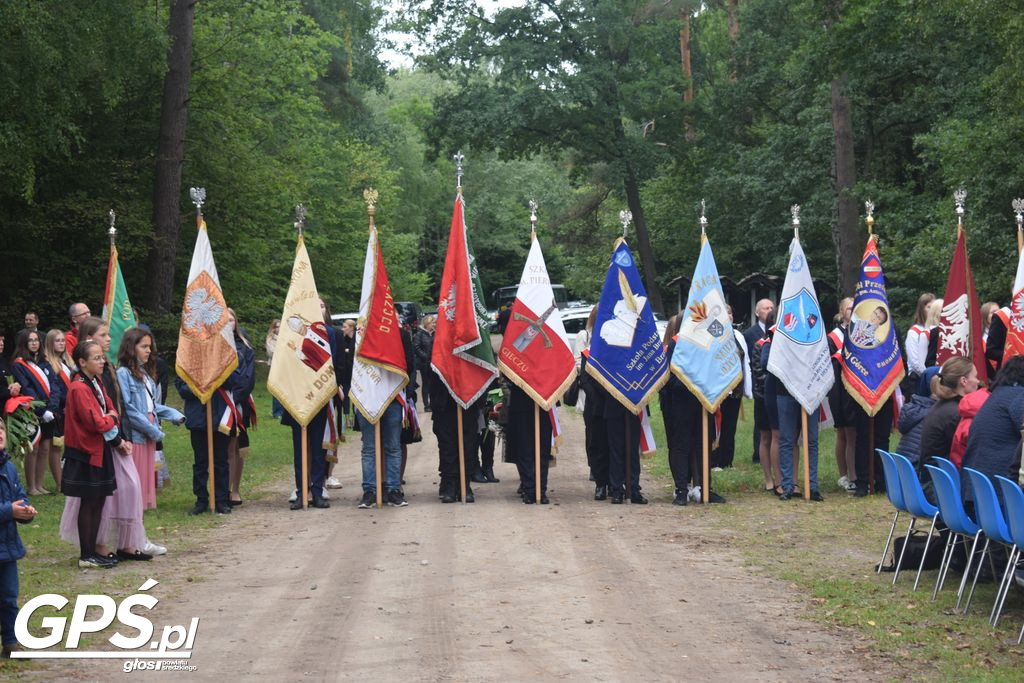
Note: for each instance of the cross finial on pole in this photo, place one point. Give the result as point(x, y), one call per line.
point(869, 208)
point(795, 212)
point(533, 215)
point(459, 158)
point(112, 231)
point(300, 218)
point(703, 218)
point(959, 196)
point(625, 217)
point(1018, 210)
point(198, 195)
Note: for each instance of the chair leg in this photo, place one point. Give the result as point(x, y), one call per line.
point(924, 555)
point(977, 573)
point(885, 550)
point(947, 555)
point(967, 570)
point(906, 542)
point(1021, 636)
point(1004, 586)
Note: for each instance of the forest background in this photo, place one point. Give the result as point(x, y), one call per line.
point(587, 106)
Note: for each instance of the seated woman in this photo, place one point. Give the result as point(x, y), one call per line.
point(957, 378)
point(993, 443)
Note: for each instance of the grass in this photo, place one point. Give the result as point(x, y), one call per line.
point(827, 552)
point(51, 565)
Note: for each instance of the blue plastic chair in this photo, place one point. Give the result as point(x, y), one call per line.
point(991, 519)
point(950, 468)
point(961, 527)
point(895, 494)
point(917, 505)
point(1013, 498)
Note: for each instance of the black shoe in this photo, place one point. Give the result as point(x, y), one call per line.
point(715, 498)
point(321, 502)
point(235, 503)
point(110, 558)
point(786, 495)
point(396, 499)
point(680, 499)
point(592, 478)
point(199, 508)
point(860, 492)
point(618, 497)
point(638, 498)
point(519, 491)
point(470, 498)
point(544, 499)
point(817, 497)
point(478, 478)
point(369, 500)
point(296, 504)
point(138, 555)
point(529, 498)
point(601, 493)
point(426, 409)
point(489, 475)
point(224, 509)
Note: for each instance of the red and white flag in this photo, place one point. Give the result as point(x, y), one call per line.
point(1014, 317)
point(379, 371)
point(462, 355)
point(960, 329)
point(535, 353)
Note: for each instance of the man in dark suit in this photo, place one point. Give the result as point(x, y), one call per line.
point(752, 335)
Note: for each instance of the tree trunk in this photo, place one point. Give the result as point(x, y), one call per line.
point(169, 157)
point(849, 239)
point(643, 238)
point(732, 8)
point(684, 49)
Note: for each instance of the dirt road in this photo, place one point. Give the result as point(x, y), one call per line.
point(494, 591)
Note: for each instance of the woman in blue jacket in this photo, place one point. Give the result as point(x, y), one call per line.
point(14, 507)
point(40, 382)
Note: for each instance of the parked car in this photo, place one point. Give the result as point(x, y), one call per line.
point(575, 319)
point(338, 318)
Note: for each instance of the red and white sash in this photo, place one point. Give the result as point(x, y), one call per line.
point(37, 373)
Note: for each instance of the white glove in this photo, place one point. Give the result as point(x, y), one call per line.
point(48, 417)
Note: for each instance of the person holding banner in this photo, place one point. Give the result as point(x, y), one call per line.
point(244, 415)
point(444, 424)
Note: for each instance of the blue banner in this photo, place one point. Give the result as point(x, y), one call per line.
point(626, 355)
point(872, 364)
point(705, 358)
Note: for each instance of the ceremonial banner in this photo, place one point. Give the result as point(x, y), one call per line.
point(206, 346)
point(705, 357)
point(379, 371)
point(960, 330)
point(626, 355)
point(800, 357)
point(463, 356)
point(302, 375)
point(872, 364)
point(535, 354)
point(117, 309)
point(1014, 320)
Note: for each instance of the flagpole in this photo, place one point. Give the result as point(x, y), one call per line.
point(376, 450)
point(536, 450)
point(305, 469)
point(795, 210)
point(462, 459)
point(870, 220)
point(629, 458)
point(705, 489)
point(1018, 210)
point(198, 195)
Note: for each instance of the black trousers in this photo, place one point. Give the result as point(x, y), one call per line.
point(865, 449)
point(201, 465)
point(317, 454)
point(723, 455)
point(597, 447)
point(522, 442)
point(426, 377)
point(619, 450)
point(446, 429)
point(487, 441)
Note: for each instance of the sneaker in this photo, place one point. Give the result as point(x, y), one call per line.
point(851, 487)
point(325, 496)
point(332, 483)
point(817, 497)
point(154, 549)
point(396, 499)
point(844, 482)
point(294, 496)
point(680, 499)
point(369, 500)
point(694, 494)
point(715, 498)
point(93, 562)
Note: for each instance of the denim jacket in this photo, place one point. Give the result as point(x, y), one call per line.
point(11, 548)
point(135, 422)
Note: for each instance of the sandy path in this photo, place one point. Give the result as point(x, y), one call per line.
point(494, 591)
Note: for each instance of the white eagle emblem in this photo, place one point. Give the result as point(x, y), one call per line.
point(447, 304)
point(955, 327)
point(201, 309)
